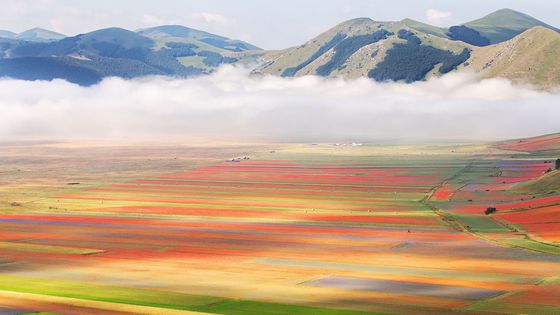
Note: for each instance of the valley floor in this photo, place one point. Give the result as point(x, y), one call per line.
point(288, 229)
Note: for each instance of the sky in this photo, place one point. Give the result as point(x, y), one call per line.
point(265, 23)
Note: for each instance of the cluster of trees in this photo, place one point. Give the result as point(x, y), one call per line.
point(48, 68)
point(452, 61)
point(412, 61)
point(117, 67)
point(467, 35)
point(114, 50)
point(182, 49)
point(213, 59)
point(409, 36)
point(224, 44)
point(165, 61)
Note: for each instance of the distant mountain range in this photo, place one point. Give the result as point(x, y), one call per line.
point(87, 58)
point(505, 43)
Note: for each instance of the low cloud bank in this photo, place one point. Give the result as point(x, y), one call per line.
point(232, 105)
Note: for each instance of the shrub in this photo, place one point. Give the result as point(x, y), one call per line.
point(411, 61)
point(213, 59)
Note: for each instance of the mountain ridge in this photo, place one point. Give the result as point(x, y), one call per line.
point(405, 50)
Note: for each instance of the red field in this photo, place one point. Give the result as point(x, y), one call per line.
point(543, 223)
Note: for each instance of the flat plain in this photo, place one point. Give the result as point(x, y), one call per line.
point(279, 228)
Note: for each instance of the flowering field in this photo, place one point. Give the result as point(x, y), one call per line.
point(303, 230)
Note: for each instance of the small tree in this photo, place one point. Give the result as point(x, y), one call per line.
point(490, 210)
point(558, 164)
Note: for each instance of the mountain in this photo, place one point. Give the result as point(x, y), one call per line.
point(533, 57)
point(504, 24)
point(384, 51)
point(7, 34)
point(39, 35)
point(208, 50)
point(118, 52)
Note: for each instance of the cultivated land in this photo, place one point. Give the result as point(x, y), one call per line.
point(295, 229)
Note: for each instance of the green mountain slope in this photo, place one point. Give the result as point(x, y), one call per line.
point(548, 183)
point(532, 57)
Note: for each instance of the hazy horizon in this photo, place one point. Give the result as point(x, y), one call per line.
point(233, 105)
